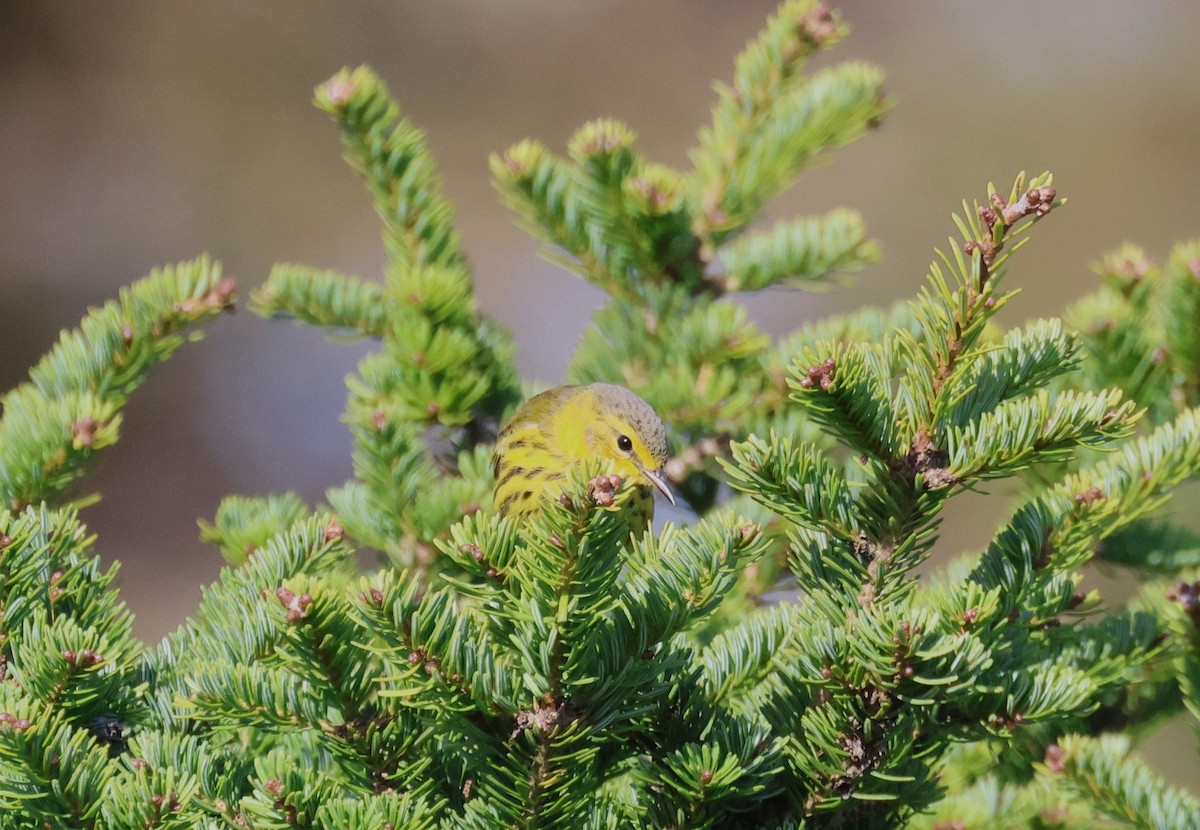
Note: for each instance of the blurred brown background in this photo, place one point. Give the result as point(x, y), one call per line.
point(134, 134)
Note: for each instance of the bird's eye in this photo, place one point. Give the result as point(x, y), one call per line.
point(624, 444)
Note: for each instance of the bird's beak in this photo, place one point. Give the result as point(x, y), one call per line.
point(660, 483)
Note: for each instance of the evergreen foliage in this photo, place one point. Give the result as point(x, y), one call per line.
point(71, 405)
point(443, 373)
point(777, 663)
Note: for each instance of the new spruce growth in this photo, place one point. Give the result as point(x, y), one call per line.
point(777, 662)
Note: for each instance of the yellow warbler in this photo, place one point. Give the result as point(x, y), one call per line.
point(570, 426)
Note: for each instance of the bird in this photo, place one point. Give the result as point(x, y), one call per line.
point(573, 426)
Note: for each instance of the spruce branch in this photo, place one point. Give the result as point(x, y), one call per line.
point(737, 661)
point(887, 401)
point(769, 124)
point(796, 252)
point(391, 157)
point(36, 743)
point(746, 159)
point(1120, 785)
point(161, 796)
point(323, 298)
point(1184, 623)
point(218, 772)
point(1153, 545)
point(797, 482)
point(539, 187)
point(551, 671)
point(286, 794)
point(71, 405)
point(433, 655)
point(69, 679)
point(633, 211)
point(1060, 529)
point(1181, 297)
point(244, 524)
point(393, 810)
point(852, 680)
point(235, 623)
point(1026, 360)
point(616, 218)
point(1024, 431)
point(1137, 329)
point(443, 375)
point(847, 392)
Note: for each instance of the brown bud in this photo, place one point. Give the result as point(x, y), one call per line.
point(222, 293)
point(603, 489)
point(1055, 758)
point(12, 722)
point(515, 167)
point(817, 24)
point(297, 606)
point(83, 432)
point(339, 90)
point(373, 596)
point(820, 374)
point(1187, 596)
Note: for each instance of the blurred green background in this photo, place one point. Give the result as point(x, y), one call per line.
point(135, 133)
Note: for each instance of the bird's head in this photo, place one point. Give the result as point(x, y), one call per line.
point(627, 433)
